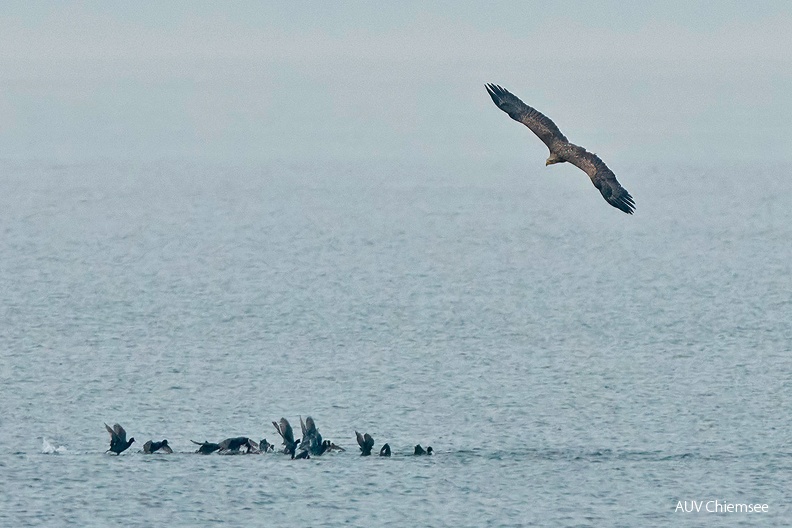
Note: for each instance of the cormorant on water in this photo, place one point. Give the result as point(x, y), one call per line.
point(311, 439)
point(234, 444)
point(118, 441)
point(285, 431)
point(420, 450)
point(301, 455)
point(333, 447)
point(153, 447)
point(207, 448)
point(365, 442)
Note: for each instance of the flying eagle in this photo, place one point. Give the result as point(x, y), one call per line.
point(562, 150)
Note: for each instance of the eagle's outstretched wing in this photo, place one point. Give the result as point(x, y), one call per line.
point(602, 178)
point(540, 124)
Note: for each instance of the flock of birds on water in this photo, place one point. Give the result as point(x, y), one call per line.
point(311, 443)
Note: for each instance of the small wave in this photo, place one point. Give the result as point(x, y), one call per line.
point(49, 449)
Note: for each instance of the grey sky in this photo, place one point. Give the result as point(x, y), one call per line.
point(256, 81)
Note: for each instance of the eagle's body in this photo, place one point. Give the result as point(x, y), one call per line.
point(562, 150)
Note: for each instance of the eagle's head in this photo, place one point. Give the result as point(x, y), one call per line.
point(553, 159)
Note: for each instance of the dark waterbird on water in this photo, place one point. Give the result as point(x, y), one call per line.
point(153, 447)
point(284, 429)
point(421, 451)
point(311, 439)
point(562, 150)
point(118, 441)
point(327, 445)
point(207, 448)
point(385, 451)
point(366, 443)
point(233, 445)
point(265, 446)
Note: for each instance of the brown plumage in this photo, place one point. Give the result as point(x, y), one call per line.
point(562, 150)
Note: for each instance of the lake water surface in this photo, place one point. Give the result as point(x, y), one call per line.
point(571, 365)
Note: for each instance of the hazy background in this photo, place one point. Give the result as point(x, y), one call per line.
point(262, 81)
